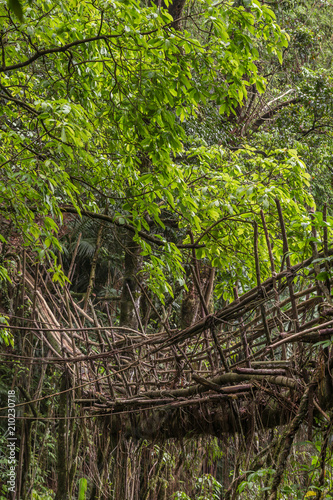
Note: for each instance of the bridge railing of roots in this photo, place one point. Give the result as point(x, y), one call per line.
point(256, 355)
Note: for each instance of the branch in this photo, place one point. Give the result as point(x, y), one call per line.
point(108, 218)
point(24, 105)
point(278, 98)
point(40, 53)
point(272, 112)
point(303, 336)
point(312, 129)
point(55, 50)
point(216, 383)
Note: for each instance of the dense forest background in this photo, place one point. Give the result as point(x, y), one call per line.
point(166, 189)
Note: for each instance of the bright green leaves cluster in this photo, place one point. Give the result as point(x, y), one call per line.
point(6, 337)
point(241, 33)
point(16, 7)
point(228, 190)
point(306, 127)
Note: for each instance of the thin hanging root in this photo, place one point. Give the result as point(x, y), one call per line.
point(286, 441)
point(323, 451)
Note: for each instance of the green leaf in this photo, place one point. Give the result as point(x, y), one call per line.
point(323, 276)
point(50, 224)
point(260, 86)
point(82, 488)
point(16, 7)
point(63, 134)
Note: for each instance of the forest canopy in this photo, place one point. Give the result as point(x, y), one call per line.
point(100, 116)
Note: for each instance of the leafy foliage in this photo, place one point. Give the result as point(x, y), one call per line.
point(103, 117)
point(178, 138)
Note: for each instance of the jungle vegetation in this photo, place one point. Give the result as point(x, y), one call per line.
point(166, 189)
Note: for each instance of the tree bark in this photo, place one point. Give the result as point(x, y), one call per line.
point(175, 9)
point(130, 297)
point(62, 456)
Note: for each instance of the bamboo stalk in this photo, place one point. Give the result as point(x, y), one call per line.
point(93, 266)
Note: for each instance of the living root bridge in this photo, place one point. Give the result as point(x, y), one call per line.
point(232, 371)
point(212, 415)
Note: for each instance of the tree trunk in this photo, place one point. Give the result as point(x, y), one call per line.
point(130, 297)
point(63, 466)
point(175, 9)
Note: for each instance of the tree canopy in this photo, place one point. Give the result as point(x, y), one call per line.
point(95, 118)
